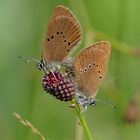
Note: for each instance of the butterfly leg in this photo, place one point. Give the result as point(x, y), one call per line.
point(85, 101)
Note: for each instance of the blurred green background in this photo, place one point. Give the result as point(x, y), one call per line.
point(23, 24)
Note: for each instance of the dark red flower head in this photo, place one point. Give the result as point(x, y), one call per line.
point(57, 85)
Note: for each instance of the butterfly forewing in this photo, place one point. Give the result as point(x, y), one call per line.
point(90, 67)
point(63, 11)
point(63, 34)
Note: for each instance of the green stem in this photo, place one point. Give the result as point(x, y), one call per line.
point(82, 120)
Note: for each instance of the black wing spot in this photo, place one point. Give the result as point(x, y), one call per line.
point(63, 36)
point(69, 43)
point(97, 65)
point(99, 71)
point(100, 77)
point(57, 33)
point(65, 40)
point(85, 69)
point(52, 37)
point(61, 32)
point(78, 77)
point(89, 66)
point(68, 50)
point(94, 63)
point(81, 70)
point(48, 39)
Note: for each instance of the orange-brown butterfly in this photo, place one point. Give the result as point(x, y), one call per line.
point(88, 68)
point(63, 34)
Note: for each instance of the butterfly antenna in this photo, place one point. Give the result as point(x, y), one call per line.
point(106, 102)
point(28, 59)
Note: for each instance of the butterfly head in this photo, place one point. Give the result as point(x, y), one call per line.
point(48, 67)
point(40, 65)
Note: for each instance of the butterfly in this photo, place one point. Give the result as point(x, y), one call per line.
point(88, 68)
point(63, 34)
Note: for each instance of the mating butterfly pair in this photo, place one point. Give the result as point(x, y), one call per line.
point(84, 73)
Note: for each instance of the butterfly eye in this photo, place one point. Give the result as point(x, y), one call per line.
point(40, 65)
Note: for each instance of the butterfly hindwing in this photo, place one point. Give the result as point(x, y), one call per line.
point(90, 67)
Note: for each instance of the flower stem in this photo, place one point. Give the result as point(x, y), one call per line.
point(82, 120)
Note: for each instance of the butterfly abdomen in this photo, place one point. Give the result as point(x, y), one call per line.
point(57, 85)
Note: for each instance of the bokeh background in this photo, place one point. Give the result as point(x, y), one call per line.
point(23, 24)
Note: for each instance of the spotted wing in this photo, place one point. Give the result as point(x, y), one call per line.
point(90, 67)
point(63, 34)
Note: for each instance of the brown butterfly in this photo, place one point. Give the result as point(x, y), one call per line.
point(88, 67)
point(63, 34)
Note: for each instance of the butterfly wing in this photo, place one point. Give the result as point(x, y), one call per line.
point(60, 10)
point(63, 34)
point(90, 67)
